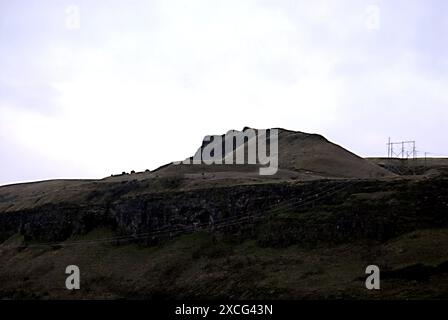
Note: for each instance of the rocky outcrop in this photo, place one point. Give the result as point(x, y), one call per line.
point(308, 213)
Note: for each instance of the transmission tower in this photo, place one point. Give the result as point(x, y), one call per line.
point(402, 149)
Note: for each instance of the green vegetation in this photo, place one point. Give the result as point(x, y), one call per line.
point(202, 266)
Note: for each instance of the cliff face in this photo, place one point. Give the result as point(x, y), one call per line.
point(131, 214)
point(313, 212)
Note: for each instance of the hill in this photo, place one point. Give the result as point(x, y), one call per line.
point(225, 231)
point(302, 157)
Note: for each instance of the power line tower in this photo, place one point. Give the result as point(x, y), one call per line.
point(402, 149)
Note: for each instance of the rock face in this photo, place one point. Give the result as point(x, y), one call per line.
point(129, 214)
point(313, 212)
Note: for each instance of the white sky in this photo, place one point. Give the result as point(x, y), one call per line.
point(90, 88)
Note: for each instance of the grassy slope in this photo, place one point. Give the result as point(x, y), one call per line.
point(196, 266)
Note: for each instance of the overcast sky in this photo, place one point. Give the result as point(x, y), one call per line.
point(90, 88)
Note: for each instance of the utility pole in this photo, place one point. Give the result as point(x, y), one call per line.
point(402, 150)
point(414, 151)
point(388, 149)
